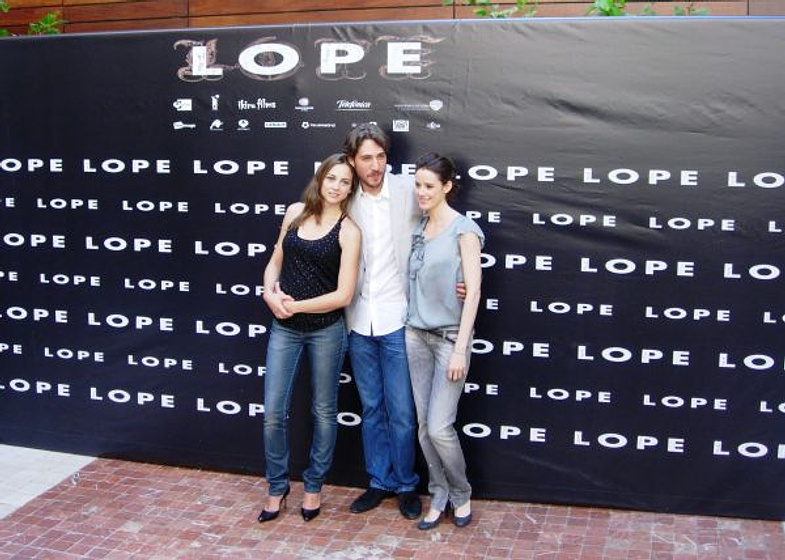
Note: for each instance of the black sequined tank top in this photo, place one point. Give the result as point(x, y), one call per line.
point(310, 269)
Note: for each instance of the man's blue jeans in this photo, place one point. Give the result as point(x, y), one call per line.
point(389, 426)
point(326, 349)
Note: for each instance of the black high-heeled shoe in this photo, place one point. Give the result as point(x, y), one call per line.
point(270, 515)
point(310, 514)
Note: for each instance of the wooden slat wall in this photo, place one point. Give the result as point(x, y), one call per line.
point(767, 7)
point(375, 14)
point(107, 15)
point(561, 8)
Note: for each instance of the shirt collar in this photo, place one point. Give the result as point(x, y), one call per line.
point(383, 194)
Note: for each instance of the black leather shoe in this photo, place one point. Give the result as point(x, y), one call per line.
point(410, 505)
point(370, 499)
point(270, 515)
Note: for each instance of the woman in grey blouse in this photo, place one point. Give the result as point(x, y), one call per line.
point(445, 251)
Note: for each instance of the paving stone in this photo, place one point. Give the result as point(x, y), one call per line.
point(122, 510)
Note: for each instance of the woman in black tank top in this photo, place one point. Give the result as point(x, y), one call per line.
point(309, 280)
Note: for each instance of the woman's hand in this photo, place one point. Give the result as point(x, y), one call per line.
point(277, 300)
point(456, 369)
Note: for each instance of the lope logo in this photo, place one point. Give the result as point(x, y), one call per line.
point(269, 59)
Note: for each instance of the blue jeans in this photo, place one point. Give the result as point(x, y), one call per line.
point(326, 349)
point(381, 373)
point(436, 398)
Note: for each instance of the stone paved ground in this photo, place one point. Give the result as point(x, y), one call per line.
point(116, 509)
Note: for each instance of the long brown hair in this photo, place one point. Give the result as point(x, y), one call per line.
point(312, 196)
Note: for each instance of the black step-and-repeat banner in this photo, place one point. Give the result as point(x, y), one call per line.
point(629, 175)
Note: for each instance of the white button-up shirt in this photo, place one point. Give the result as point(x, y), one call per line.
point(381, 307)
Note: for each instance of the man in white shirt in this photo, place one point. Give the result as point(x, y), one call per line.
point(385, 209)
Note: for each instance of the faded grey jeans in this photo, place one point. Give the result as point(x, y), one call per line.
point(436, 400)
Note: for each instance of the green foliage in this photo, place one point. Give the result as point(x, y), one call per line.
point(4, 7)
point(50, 24)
point(608, 8)
point(648, 10)
point(689, 10)
point(485, 8)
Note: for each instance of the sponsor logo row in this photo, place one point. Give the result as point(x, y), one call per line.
point(184, 107)
point(245, 125)
point(303, 105)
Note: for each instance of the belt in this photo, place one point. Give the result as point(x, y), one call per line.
point(447, 334)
